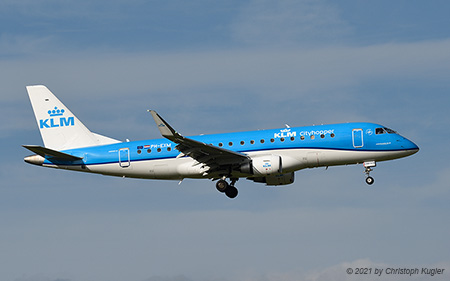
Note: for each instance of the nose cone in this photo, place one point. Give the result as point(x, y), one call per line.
point(34, 159)
point(411, 147)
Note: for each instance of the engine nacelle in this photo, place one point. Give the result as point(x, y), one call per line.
point(263, 165)
point(282, 179)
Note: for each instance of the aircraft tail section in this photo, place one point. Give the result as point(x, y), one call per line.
point(59, 127)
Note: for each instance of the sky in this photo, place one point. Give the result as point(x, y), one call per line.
point(217, 67)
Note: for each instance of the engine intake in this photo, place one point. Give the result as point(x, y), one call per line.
point(263, 165)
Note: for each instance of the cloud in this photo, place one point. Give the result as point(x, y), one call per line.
point(329, 80)
point(45, 10)
point(40, 278)
point(299, 70)
point(169, 278)
point(259, 243)
point(13, 45)
point(288, 22)
point(339, 272)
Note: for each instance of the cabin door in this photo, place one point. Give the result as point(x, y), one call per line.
point(124, 157)
point(357, 136)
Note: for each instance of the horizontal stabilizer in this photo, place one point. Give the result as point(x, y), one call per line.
point(50, 153)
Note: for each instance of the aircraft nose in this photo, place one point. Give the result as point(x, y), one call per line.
point(415, 147)
point(410, 146)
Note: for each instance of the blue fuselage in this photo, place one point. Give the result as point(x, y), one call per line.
point(302, 147)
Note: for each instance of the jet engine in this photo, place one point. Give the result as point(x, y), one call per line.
point(267, 169)
point(263, 165)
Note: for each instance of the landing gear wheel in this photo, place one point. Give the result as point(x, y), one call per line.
point(369, 180)
point(222, 185)
point(368, 165)
point(231, 192)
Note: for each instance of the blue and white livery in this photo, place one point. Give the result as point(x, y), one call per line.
point(264, 156)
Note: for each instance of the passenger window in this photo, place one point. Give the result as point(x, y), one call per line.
point(322, 136)
point(242, 142)
point(169, 149)
point(313, 137)
point(139, 151)
point(379, 131)
point(292, 138)
point(149, 150)
point(252, 142)
point(332, 135)
point(282, 139)
point(272, 140)
point(159, 150)
point(262, 140)
point(230, 143)
point(220, 144)
point(302, 138)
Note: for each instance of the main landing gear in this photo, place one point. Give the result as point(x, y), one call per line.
point(229, 189)
point(368, 168)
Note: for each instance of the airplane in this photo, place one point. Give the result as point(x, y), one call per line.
point(264, 156)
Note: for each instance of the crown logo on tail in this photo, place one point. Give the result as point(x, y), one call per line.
point(54, 122)
point(55, 112)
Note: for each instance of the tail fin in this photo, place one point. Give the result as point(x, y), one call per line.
point(59, 128)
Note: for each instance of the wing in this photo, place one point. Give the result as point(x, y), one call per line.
point(218, 160)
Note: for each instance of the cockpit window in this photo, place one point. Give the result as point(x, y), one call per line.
point(390, 131)
point(379, 131)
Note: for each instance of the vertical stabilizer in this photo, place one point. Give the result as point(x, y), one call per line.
point(59, 128)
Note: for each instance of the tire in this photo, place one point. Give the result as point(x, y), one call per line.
point(369, 180)
point(231, 192)
point(221, 185)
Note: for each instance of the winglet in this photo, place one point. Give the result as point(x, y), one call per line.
point(164, 128)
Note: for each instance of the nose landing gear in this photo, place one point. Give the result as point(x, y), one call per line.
point(370, 180)
point(229, 189)
point(368, 168)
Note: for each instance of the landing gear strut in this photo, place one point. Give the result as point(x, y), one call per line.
point(228, 189)
point(368, 168)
